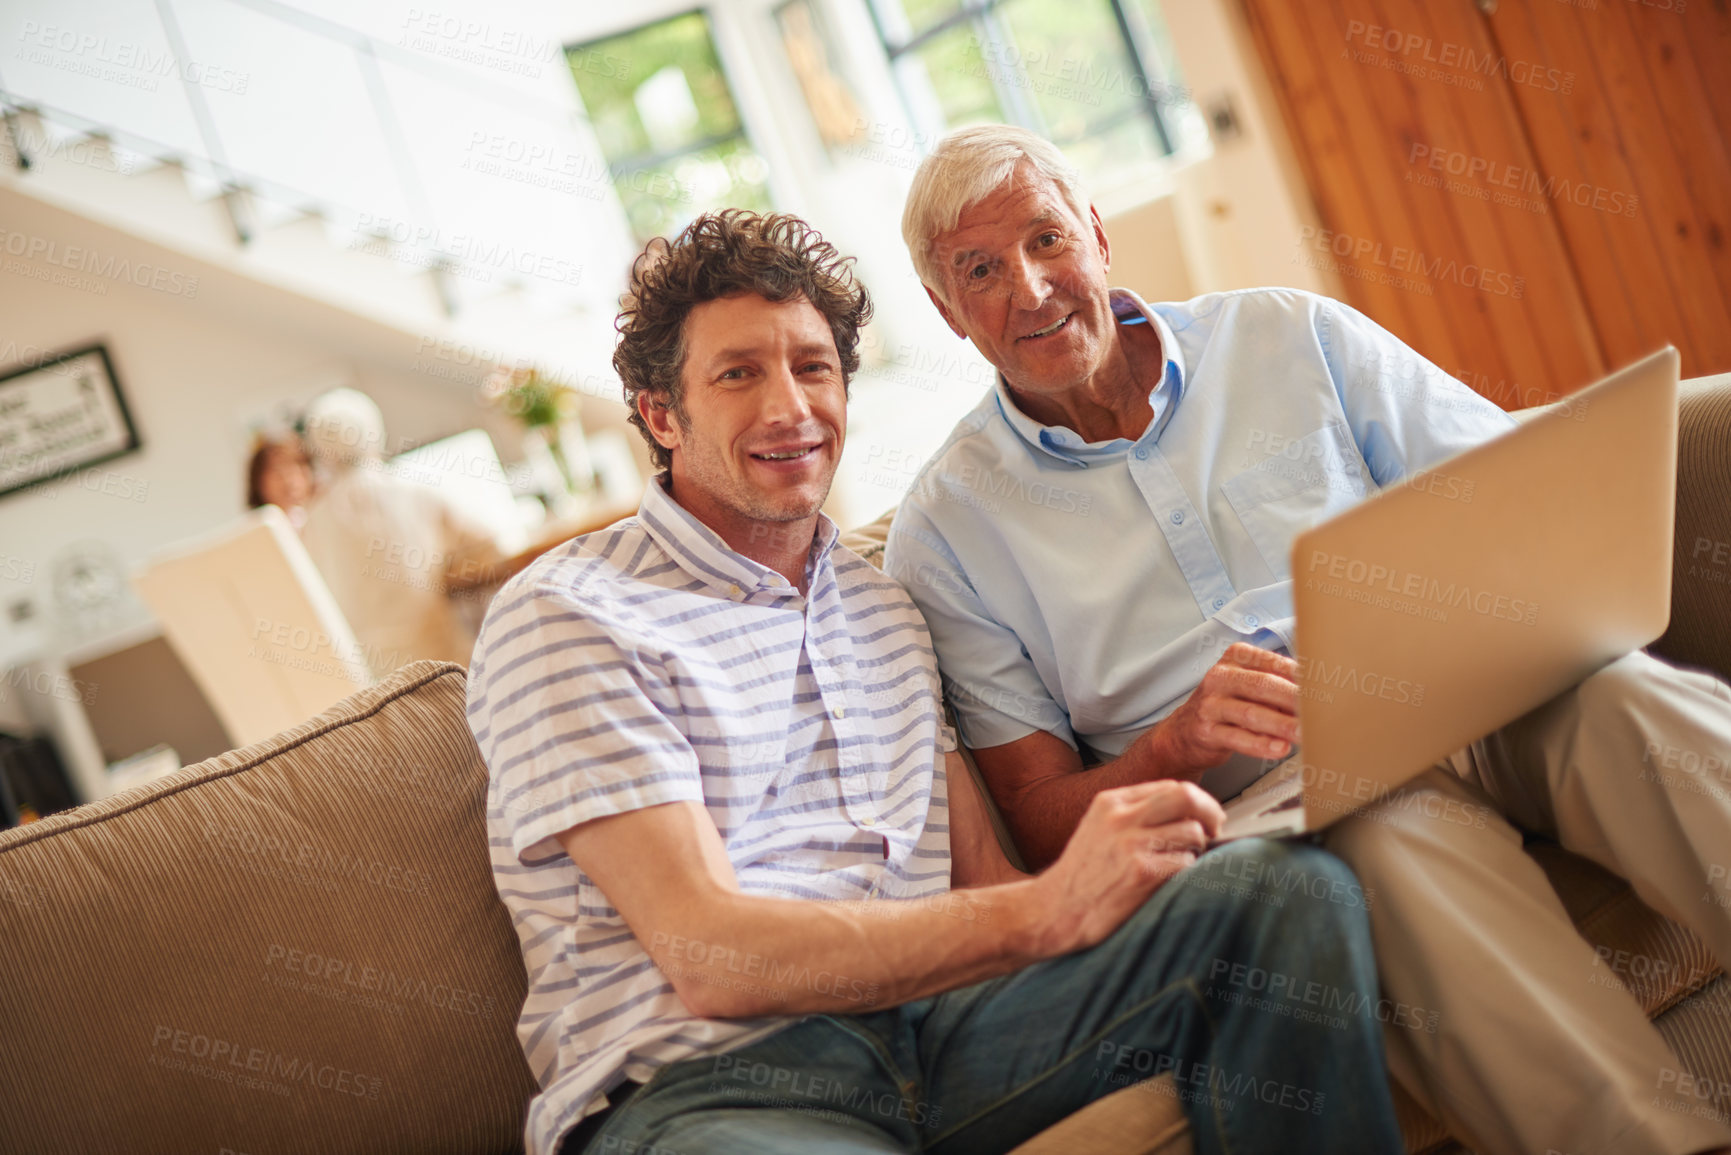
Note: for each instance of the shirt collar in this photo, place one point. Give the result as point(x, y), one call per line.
point(1066, 444)
point(700, 552)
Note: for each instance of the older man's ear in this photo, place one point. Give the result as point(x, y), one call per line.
point(1100, 238)
point(949, 318)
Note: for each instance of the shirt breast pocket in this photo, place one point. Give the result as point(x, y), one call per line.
point(1305, 481)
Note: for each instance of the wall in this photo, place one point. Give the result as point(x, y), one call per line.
point(1242, 210)
point(1148, 252)
point(197, 373)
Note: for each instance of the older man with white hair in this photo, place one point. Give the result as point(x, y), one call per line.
point(383, 543)
point(1100, 550)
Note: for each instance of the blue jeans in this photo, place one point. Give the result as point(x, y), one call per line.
point(1248, 978)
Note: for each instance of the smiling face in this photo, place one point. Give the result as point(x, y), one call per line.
point(1025, 279)
point(765, 406)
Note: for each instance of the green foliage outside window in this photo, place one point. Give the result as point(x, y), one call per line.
point(668, 124)
point(1090, 75)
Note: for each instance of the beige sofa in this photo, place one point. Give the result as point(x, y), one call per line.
point(297, 947)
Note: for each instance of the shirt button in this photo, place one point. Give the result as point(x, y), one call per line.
point(734, 590)
point(841, 711)
point(1142, 454)
point(1178, 517)
point(868, 822)
point(1252, 621)
point(1218, 602)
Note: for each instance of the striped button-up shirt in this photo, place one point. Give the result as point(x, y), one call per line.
point(649, 663)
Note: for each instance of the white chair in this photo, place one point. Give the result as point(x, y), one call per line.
point(253, 621)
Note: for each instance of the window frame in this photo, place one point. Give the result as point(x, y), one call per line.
point(653, 159)
point(1019, 108)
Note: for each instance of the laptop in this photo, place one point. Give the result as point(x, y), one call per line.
point(1471, 592)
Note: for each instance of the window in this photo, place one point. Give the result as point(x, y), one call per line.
point(668, 124)
point(1095, 77)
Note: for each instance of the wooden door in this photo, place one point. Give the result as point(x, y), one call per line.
point(1646, 128)
point(1528, 196)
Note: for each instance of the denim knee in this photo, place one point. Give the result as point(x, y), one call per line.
point(1283, 880)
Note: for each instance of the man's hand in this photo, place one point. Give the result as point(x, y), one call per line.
point(1247, 704)
point(1130, 841)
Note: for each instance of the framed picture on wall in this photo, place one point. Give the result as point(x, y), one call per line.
point(59, 415)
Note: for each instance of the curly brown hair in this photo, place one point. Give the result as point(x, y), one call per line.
point(726, 254)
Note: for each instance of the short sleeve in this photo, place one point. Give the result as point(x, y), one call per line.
point(1405, 413)
point(988, 677)
point(575, 717)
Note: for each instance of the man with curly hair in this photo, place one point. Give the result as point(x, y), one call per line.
point(727, 817)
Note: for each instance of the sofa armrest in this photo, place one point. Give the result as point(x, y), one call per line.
point(1700, 630)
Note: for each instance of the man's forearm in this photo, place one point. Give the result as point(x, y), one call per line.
point(749, 955)
point(1246, 704)
point(976, 858)
point(1044, 813)
point(1042, 810)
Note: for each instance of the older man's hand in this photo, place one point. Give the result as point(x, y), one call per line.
point(1247, 704)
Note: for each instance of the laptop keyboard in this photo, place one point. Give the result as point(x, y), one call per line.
point(1292, 803)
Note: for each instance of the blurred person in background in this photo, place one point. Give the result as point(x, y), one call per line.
point(385, 545)
point(280, 473)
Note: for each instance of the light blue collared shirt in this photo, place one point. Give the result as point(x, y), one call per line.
point(1085, 588)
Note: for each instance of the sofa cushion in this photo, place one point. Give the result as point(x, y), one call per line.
point(1142, 1119)
point(868, 540)
point(296, 946)
point(1657, 960)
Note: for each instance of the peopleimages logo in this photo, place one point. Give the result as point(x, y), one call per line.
point(365, 979)
point(225, 1059)
point(718, 960)
point(90, 152)
point(123, 62)
point(1406, 592)
point(1079, 78)
point(1121, 1064)
point(1711, 560)
point(96, 264)
point(1398, 259)
point(1318, 681)
point(1526, 180)
point(463, 253)
point(507, 50)
point(787, 1088)
point(1413, 51)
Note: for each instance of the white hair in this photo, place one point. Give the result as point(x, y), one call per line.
point(344, 426)
point(968, 166)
